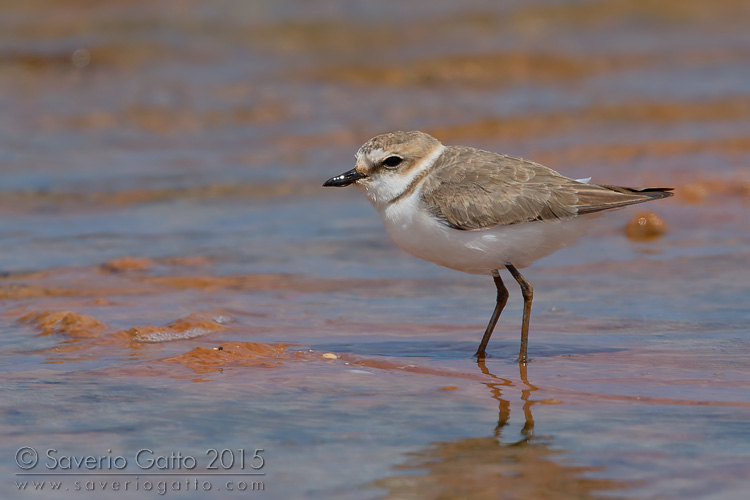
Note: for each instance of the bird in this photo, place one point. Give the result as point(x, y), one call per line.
point(477, 211)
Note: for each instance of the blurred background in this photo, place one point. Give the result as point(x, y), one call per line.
point(160, 195)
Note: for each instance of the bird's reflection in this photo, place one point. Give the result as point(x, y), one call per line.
point(527, 432)
point(496, 466)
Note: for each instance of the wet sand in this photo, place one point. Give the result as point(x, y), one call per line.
point(173, 277)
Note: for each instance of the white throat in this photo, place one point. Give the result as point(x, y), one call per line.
point(384, 188)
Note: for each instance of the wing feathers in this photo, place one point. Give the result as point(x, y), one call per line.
point(473, 189)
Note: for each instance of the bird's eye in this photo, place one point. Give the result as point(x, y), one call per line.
point(392, 161)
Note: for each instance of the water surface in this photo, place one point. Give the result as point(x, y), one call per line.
point(175, 279)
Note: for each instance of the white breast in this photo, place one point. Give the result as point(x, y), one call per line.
point(412, 227)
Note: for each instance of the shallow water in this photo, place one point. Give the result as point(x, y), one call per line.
point(175, 279)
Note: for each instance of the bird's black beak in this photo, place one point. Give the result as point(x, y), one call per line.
point(344, 179)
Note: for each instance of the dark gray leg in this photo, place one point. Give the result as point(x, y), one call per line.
point(528, 294)
point(502, 298)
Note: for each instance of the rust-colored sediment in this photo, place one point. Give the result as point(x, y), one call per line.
point(130, 276)
point(186, 261)
point(86, 337)
point(18, 202)
point(260, 282)
point(70, 283)
point(700, 190)
point(167, 120)
point(124, 264)
point(647, 112)
point(69, 323)
point(231, 354)
point(478, 70)
point(194, 325)
point(645, 226)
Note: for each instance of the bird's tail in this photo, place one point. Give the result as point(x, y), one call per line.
point(652, 192)
point(599, 197)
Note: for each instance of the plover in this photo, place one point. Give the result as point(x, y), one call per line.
point(477, 211)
